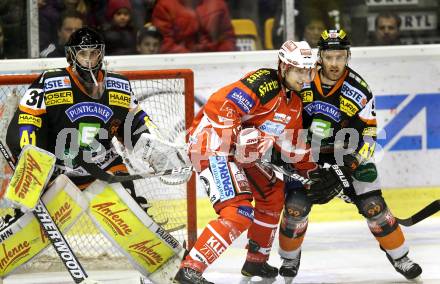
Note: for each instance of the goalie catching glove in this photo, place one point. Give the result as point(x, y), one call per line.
point(328, 182)
point(154, 154)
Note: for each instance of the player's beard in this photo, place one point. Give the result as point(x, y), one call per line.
point(332, 73)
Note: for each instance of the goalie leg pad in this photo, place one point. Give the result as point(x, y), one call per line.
point(382, 223)
point(148, 246)
point(24, 239)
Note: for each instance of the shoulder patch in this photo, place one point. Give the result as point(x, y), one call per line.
point(353, 93)
point(118, 84)
point(241, 99)
point(264, 83)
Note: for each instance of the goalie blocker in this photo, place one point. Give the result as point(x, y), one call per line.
point(150, 248)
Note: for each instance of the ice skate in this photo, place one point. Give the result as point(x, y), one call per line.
point(251, 271)
point(187, 275)
point(289, 268)
point(405, 266)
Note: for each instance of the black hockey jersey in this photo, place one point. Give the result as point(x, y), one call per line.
point(55, 114)
point(349, 104)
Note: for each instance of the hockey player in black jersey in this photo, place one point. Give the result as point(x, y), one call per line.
point(80, 107)
point(338, 107)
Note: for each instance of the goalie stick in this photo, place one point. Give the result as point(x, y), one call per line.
point(100, 174)
point(57, 239)
point(424, 213)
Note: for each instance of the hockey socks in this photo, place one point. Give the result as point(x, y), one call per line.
point(213, 241)
point(261, 235)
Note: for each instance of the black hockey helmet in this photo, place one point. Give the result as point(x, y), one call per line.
point(82, 39)
point(334, 39)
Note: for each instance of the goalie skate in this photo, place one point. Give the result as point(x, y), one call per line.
point(186, 275)
point(289, 268)
point(253, 270)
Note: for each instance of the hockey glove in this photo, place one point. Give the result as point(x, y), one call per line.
point(251, 146)
point(328, 183)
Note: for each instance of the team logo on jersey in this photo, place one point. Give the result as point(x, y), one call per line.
point(117, 84)
point(29, 119)
point(56, 83)
point(87, 131)
point(241, 99)
point(348, 107)
point(119, 99)
point(59, 98)
point(321, 128)
point(325, 109)
point(272, 128)
point(89, 109)
point(222, 177)
point(353, 93)
point(281, 117)
point(307, 96)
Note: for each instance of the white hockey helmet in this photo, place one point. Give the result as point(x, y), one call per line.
point(298, 54)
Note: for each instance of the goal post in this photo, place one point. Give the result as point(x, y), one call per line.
point(167, 96)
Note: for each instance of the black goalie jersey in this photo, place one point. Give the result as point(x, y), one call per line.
point(55, 114)
point(348, 105)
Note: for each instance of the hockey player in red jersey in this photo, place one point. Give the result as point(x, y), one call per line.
point(247, 116)
point(339, 99)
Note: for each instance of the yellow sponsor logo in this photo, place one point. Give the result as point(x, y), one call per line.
point(369, 131)
point(112, 214)
point(307, 96)
point(13, 254)
point(116, 218)
point(59, 98)
point(119, 99)
point(255, 76)
point(33, 169)
point(267, 87)
point(29, 119)
point(348, 107)
point(147, 250)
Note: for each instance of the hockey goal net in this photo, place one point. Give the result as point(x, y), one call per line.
point(168, 97)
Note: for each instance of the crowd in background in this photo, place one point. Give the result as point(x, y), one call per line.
point(178, 26)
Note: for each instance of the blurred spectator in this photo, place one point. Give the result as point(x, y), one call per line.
point(119, 35)
point(2, 42)
point(70, 21)
point(386, 29)
point(194, 25)
point(142, 11)
point(13, 17)
point(312, 31)
point(149, 40)
point(49, 13)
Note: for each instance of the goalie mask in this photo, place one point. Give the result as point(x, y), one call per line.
point(84, 52)
point(296, 64)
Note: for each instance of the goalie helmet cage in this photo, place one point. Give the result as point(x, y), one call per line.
point(168, 98)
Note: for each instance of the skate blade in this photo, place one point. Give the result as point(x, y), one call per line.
point(256, 280)
point(288, 280)
point(418, 279)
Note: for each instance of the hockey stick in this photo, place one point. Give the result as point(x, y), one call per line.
point(424, 213)
point(429, 210)
point(54, 234)
point(100, 174)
